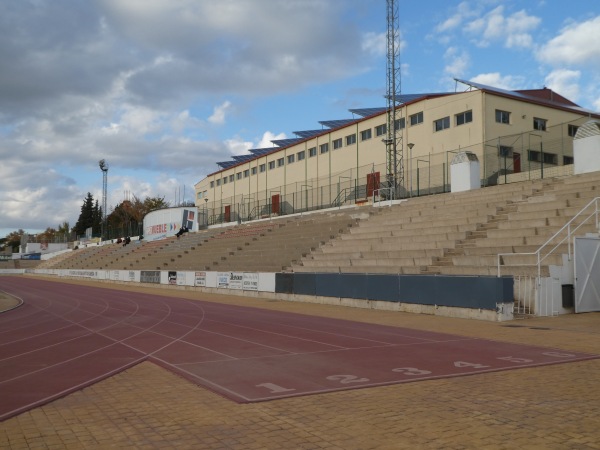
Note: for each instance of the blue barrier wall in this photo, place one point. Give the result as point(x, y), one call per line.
point(455, 291)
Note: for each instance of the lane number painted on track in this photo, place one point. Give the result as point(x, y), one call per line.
point(515, 359)
point(469, 364)
point(558, 354)
point(411, 371)
point(274, 388)
point(347, 379)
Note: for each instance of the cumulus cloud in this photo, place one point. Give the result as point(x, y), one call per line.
point(565, 82)
point(575, 45)
point(508, 82)
point(513, 31)
point(457, 61)
point(218, 115)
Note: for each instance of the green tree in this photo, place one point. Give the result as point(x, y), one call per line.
point(87, 216)
point(13, 240)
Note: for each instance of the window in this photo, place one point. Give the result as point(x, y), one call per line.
point(567, 160)
point(416, 119)
point(271, 165)
point(212, 184)
point(502, 116)
point(441, 124)
point(572, 130)
point(351, 139)
point(301, 155)
point(464, 117)
point(401, 123)
point(219, 182)
point(231, 177)
point(262, 168)
point(312, 152)
point(337, 143)
point(253, 171)
point(246, 173)
point(365, 135)
point(539, 124)
point(505, 151)
point(291, 159)
point(224, 180)
point(380, 130)
point(238, 176)
point(280, 162)
point(204, 194)
point(323, 148)
point(548, 158)
point(199, 195)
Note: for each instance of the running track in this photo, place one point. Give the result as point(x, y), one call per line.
point(65, 337)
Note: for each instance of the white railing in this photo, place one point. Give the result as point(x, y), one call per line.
point(569, 229)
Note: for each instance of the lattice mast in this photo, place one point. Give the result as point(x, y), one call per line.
point(393, 141)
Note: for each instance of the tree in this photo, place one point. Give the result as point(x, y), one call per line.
point(154, 203)
point(13, 239)
point(88, 216)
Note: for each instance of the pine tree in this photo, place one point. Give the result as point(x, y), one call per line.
point(86, 218)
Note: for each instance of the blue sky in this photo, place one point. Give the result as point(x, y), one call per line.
point(163, 89)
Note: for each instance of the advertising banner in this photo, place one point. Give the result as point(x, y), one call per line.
point(222, 279)
point(236, 280)
point(200, 279)
point(250, 282)
point(150, 276)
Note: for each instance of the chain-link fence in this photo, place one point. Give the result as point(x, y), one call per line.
point(507, 159)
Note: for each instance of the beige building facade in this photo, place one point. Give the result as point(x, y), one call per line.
point(515, 135)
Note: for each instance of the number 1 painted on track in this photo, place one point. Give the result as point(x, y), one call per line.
point(274, 388)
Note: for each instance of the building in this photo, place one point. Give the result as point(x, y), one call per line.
point(515, 135)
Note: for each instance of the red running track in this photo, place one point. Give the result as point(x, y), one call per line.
point(65, 337)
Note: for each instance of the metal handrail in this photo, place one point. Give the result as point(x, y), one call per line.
point(338, 200)
point(570, 232)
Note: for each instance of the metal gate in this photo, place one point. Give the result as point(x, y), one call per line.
point(587, 274)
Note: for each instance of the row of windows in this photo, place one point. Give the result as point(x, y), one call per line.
point(538, 123)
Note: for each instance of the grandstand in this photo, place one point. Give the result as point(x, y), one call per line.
point(484, 232)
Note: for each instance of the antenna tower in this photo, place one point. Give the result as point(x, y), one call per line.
point(393, 141)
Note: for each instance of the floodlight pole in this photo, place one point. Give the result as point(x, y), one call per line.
point(104, 168)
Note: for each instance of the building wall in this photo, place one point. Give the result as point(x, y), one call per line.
point(479, 133)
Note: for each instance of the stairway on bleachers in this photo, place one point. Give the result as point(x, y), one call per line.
point(461, 233)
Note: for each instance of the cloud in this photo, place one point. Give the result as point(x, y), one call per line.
point(565, 82)
point(576, 45)
point(512, 30)
point(508, 82)
point(457, 61)
point(219, 112)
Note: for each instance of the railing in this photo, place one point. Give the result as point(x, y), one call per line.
point(571, 227)
point(341, 198)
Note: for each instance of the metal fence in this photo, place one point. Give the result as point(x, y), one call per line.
point(507, 159)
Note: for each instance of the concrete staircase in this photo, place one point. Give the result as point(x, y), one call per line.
point(461, 233)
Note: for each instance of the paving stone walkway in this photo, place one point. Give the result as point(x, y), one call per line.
point(551, 407)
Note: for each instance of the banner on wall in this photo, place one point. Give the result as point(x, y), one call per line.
point(200, 279)
point(236, 280)
point(250, 282)
point(167, 222)
point(150, 276)
point(222, 279)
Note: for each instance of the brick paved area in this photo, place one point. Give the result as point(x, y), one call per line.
point(552, 407)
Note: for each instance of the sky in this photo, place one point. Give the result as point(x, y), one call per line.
point(164, 89)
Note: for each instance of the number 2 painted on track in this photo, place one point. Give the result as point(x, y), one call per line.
point(347, 379)
point(411, 371)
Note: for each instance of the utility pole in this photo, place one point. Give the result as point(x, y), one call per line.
point(393, 141)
